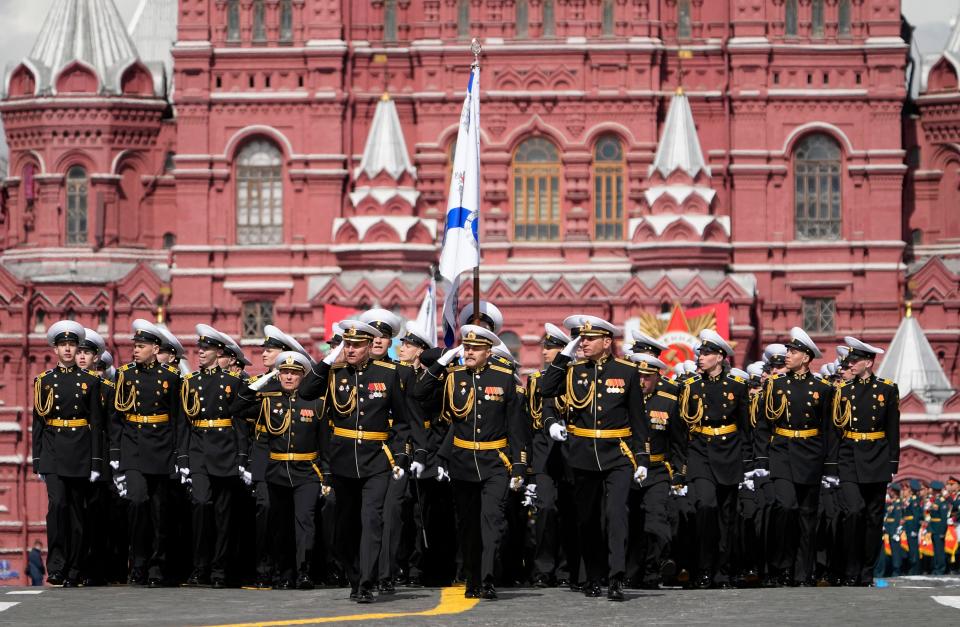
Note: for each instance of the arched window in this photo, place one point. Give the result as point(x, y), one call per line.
point(77, 190)
point(259, 194)
point(259, 21)
point(608, 168)
point(463, 19)
point(683, 19)
point(607, 23)
point(523, 18)
point(549, 19)
point(286, 20)
point(536, 191)
point(816, 18)
point(790, 19)
point(843, 17)
point(233, 20)
point(389, 21)
point(817, 169)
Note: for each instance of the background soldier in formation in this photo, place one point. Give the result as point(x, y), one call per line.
point(598, 449)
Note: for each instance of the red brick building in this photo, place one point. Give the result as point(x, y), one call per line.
point(244, 161)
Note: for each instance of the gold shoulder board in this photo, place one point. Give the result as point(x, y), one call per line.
point(385, 364)
point(672, 397)
point(500, 369)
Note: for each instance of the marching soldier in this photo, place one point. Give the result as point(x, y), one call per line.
point(556, 554)
point(715, 406)
point(666, 445)
point(362, 396)
point(489, 317)
point(212, 454)
point(143, 450)
point(394, 522)
point(293, 431)
point(866, 413)
point(97, 518)
point(67, 419)
point(792, 439)
point(936, 515)
point(607, 450)
point(274, 343)
point(485, 449)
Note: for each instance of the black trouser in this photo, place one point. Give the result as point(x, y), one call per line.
point(358, 530)
point(590, 489)
point(863, 507)
point(262, 526)
point(649, 532)
point(796, 527)
point(767, 532)
point(435, 561)
point(749, 546)
point(97, 530)
point(716, 524)
point(557, 554)
point(393, 524)
point(66, 503)
point(481, 516)
point(939, 554)
point(149, 497)
point(292, 510)
point(212, 505)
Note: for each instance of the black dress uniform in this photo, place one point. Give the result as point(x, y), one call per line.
point(667, 448)
point(143, 441)
point(866, 414)
point(608, 432)
point(67, 423)
point(793, 437)
point(486, 445)
point(213, 445)
point(556, 546)
point(292, 430)
point(360, 452)
point(717, 411)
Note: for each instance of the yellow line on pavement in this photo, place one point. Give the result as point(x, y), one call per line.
point(452, 601)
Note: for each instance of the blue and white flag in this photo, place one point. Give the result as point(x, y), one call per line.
point(461, 240)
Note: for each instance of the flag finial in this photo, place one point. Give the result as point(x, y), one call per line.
point(476, 49)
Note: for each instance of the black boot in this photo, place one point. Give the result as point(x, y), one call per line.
point(489, 592)
point(615, 591)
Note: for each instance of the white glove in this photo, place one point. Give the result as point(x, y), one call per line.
point(760, 473)
point(450, 355)
point(679, 490)
point(531, 490)
point(748, 484)
point(831, 481)
point(442, 474)
point(333, 355)
point(570, 350)
point(94, 475)
point(398, 473)
point(326, 490)
point(640, 474)
point(516, 483)
point(247, 477)
point(262, 381)
point(120, 482)
point(42, 477)
point(115, 465)
point(558, 432)
point(416, 469)
point(185, 472)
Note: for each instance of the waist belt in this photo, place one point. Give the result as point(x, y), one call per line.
point(293, 457)
point(936, 520)
point(155, 419)
point(907, 518)
point(480, 446)
point(379, 436)
point(797, 433)
point(76, 422)
point(711, 431)
point(860, 436)
point(212, 424)
point(599, 434)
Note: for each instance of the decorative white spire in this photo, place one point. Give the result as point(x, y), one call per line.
point(911, 363)
point(154, 29)
point(679, 147)
point(90, 32)
point(386, 150)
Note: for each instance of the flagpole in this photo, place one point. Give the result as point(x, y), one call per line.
point(476, 49)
